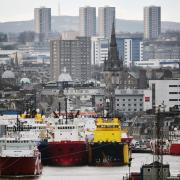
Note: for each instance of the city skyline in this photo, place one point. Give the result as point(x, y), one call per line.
point(19, 10)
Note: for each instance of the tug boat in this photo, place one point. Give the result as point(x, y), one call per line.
point(66, 145)
point(107, 148)
point(19, 157)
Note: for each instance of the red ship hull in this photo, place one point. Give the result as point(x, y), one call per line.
point(67, 153)
point(20, 166)
point(175, 149)
point(127, 140)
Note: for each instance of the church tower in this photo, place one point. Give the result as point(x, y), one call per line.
point(113, 70)
point(113, 63)
point(113, 66)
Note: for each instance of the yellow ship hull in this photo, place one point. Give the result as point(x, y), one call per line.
point(108, 154)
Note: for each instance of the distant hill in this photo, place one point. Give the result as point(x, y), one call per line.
point(64, 23)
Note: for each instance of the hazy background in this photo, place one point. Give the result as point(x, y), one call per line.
point(18, 10)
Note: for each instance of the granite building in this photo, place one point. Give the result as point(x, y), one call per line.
point(106, 17)
point(152, 22)
point(42, 20)
point(87, 21)
point(74, 55)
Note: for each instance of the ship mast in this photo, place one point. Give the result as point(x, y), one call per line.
point(158, 152)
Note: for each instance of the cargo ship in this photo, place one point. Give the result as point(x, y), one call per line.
point(19, 157)
point(66, 146)
point(107, 148)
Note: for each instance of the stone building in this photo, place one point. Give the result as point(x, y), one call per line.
point(74, 55)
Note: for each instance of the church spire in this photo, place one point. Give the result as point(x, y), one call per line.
point(113, 36)
point(113, 63)
point(113, 52)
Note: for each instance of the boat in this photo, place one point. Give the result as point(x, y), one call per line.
point(154, 170)
point(175, 147)
point(161, 147)
point(66, 145)
point(141, 146)
point(19, 156)
point(175, 142)
point(106, 148)
point(33, 127)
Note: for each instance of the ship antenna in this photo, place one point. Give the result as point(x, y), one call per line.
point(59, 106)
point(59, 109)
point(65, 99)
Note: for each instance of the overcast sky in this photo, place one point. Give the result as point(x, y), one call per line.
point(16, 10)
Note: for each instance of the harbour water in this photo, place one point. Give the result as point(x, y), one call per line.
point(105, 173)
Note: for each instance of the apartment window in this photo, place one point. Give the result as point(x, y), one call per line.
point(134, 104)
point(117, 104)
point(134, 99)
point(117, 99)
point(123, 99)
point(129, 109)
point(135, 109)
point(173, 92)
point(140, 99)
point(173, 85)
point(124, 105)
point(173, 99)
point(129, 104)
point(140, 104)
point(129, 99)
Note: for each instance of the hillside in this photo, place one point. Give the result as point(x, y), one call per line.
point(64, 23)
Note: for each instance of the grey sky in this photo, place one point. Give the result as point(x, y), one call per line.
point(15, 10)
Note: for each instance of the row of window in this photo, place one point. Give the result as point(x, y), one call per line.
point(15, 141)
point(124, 99)
point(174, 92)
point(174, 85)
point(66, 127)
point(129, 99)
point(24, 128)
point(107, 126)
point(130, 110)
point(128, 104)
point(174, 99)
